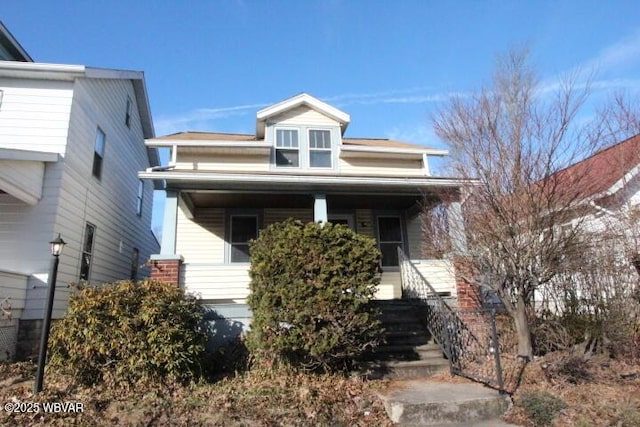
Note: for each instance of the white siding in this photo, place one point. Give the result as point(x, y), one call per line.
point(35, 114)
point(216, 282)
point(22, 178)
point(201, 239)
point(381, 166)
point(272, 216)
point(414, 236)
point(303, 115)
point(223, 162)
point(439, 273)
point(109, 203)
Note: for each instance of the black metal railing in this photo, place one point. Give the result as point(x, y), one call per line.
point(469, 339)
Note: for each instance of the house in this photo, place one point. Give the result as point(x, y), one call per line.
point(71, 143)
point(605, 191)
point(223, 188)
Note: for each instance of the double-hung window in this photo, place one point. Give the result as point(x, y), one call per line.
point(87, 251)
point(287, 148)
point(243, 229)
point(127, 116)
point(98, 153)
point(389, 239)
point(319, 148)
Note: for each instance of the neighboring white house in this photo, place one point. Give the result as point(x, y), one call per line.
point(223, 188)
point(71, 143)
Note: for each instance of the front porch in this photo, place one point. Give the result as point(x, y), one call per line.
point(206, 235)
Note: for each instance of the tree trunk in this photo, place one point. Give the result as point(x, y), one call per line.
point(525, 347)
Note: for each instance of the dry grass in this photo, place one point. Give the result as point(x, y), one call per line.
point(598, 392)
point(257, 398)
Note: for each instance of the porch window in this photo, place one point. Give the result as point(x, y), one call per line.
point(243, 229)
point(319, 148)
point(87, 251)
point(287, 148)
point(389, 239)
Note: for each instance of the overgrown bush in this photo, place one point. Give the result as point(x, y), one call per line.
point(541, 407)
point(128, 331)
point(310, 291)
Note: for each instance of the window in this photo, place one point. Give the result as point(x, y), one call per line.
point(98, 153)
point(140, 197)
point(319, 148)
point(287, 148)
point(87, 251)
point(243, 229)
point(389, 239)
point(135, 260)
point(127, 117)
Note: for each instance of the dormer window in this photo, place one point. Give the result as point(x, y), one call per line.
point(319, 148)
point(287, 148)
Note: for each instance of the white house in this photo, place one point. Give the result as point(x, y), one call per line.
point(71, 143)
point(223, 188)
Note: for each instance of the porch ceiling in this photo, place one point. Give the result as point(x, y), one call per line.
point(334, 201)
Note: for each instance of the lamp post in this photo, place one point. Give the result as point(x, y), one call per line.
point(56, 249)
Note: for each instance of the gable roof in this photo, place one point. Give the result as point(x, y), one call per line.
point(296, 101)
point(603, 173)
point(10, 47)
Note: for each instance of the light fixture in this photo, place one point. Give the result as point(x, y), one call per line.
point(57, 245)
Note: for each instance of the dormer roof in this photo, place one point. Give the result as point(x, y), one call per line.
point(302, 99)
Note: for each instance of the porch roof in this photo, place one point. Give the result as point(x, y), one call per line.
point(296, 182)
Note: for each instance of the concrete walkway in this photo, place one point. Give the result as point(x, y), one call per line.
point(430, 403)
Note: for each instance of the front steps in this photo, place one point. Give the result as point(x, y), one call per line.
point(424, 403)
point(409, 351)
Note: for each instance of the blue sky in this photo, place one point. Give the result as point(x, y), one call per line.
point(210, 65)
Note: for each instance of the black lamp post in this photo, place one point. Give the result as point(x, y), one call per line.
point(56, 249)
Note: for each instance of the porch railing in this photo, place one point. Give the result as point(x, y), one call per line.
point(468, 339)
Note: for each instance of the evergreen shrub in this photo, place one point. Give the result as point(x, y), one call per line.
point(311, 287)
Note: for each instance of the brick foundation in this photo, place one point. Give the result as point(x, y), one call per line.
point(166, 270)
point(468, 294)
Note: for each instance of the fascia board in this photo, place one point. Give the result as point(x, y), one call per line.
point(205, 143)
point(39, 70)
point(392, 150)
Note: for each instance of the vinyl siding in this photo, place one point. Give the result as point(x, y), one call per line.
point(439, 273)
point(414, 236)
point(109, 204)
point(272, 216)
point(216, 281)
point(381, 166)
point(34, 114)
point(303, 115)
point(201, 239)
point(25, 176)
point(13, 290)
point(223, 162)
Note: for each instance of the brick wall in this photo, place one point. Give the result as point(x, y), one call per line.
point(468, 294)
point(166, 270)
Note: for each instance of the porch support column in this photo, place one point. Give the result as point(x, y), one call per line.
point(320, 208)
point(456, 228)
point(170, 223)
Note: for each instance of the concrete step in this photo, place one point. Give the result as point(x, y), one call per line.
point(403, 370)
point(407, 337)
point(425, 403)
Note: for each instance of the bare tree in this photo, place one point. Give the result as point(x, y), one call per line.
point(516, 138)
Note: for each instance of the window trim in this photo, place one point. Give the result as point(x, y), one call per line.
point(330, 149)
point(403, 234)
point(229, 214)
point(140, 198)
point(84, 253)
point(276, 148)
point(98, 155)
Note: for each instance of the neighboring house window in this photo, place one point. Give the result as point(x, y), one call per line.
point(135, 260)
point(127, 117)
point(140, 197)
point(98, 153)
point(287, 148)
point(319, 148)
point(87, 251)
point(243, 229)
point(389, 239)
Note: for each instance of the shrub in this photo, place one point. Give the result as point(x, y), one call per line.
point(541, 407)
point(129, 331)
point(310, 291)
